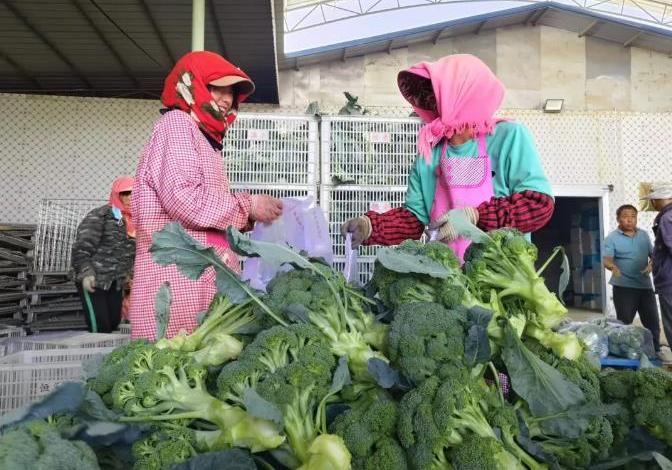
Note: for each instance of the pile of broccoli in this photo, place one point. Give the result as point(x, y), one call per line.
point(433, 366)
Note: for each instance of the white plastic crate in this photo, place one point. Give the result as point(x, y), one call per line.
point(28, 375)
point(364, 265)
point(21, 384)
point(368, 151)
point(67, 341)
point(124, 329)
point(342, 203)
point(272, 149)
point(56, 231)
point(7, 333)
point(53, 356)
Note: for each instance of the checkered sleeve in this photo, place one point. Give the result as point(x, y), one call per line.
point(393, 227)
point(190, 182)
point(526, 211)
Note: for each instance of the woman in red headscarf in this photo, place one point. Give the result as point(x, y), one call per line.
point(181, 178)
point(102, 258)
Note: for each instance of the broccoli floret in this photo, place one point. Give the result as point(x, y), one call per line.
point(617, 385)
point(426, 340)
point(332, 307)
point(478, 453)
point(177, 391)
point(504, 261)
point(368, 429)
point(116, 363)
point(37, 445)
point(652, 406)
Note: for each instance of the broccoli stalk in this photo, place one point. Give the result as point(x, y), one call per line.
point(504, 261)
point(212, 343)
point(178, 392)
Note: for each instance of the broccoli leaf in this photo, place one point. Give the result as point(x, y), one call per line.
point(272, 253)
point(477, 346)
point(403, 262)
point(465, 228)
point(382, 373)
point(341, 376)
point(233, 459)
point(162, 306)
point(545, 390)
point(261, 408)
point(173, 245)
point(68, 397)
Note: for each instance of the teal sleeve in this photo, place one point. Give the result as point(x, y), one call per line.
point(609, 248)
point(415, 201)
point(522, 165)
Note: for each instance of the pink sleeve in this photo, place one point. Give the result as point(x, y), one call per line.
point(191, 185)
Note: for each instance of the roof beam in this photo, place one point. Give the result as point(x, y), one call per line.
point(218, 29)
point(107, 44)
point(480, 26)
point(632, 39)
point(19, 68)
point(586, 31)
point(47, 43)
point(535, 16)
point(162, 39)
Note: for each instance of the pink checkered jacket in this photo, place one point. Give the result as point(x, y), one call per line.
point(180, 178)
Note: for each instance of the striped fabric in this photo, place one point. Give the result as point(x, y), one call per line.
point(527, 211)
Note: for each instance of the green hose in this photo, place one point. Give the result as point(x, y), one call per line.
point(92, 314)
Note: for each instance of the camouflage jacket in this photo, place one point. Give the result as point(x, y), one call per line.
point(103, 249)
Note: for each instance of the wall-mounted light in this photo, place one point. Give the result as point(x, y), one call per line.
point(553, 105)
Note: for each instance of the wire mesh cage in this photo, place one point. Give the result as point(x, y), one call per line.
point(368, 151)
point(56, 232)
point(272, 149)
point(342, 203)
point(277, 190)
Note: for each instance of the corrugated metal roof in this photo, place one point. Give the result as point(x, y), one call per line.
point(581, 21)
point(126, 47)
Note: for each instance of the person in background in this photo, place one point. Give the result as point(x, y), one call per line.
point(627, 254)
point(181, 178)
point(661, 198)
point(469, 160)
point(102, 257)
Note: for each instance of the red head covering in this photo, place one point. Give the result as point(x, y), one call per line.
point(120, 185)
point(456, 93)
point(186, 88)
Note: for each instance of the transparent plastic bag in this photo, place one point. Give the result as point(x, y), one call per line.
point(592, 335)
point(350, 271)
point(630, 341)
point(302, 226)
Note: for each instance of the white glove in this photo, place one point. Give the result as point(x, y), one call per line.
point(89, 284)
point(447, 232)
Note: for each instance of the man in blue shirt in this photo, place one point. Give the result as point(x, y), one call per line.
point(627, 254)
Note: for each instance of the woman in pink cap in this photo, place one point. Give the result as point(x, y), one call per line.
point(181, 178)
point(468, 160)
point(102, 258)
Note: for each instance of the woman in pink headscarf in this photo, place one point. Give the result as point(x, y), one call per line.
point(102, 257)
point(468, 160)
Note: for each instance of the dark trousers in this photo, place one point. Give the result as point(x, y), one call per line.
point(628, 301)
point(106, 307)
point(666, 313)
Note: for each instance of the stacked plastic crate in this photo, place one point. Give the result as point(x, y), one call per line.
point(365, 164)
point(273, 154)
point(586, 258)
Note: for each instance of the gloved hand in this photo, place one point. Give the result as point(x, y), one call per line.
point(359, 227)
point(447, 232)
point(265, 208)
point(89, 284)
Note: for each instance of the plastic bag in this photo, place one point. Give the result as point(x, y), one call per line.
point(350, 272)
point(303, 226)
point(630, 341)
point(593, 336)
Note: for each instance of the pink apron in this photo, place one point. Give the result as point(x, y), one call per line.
point(462, 182)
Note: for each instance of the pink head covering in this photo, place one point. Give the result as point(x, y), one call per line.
point(453, 94)
point(120, 185)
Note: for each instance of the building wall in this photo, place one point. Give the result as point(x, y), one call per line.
point(535, 63)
